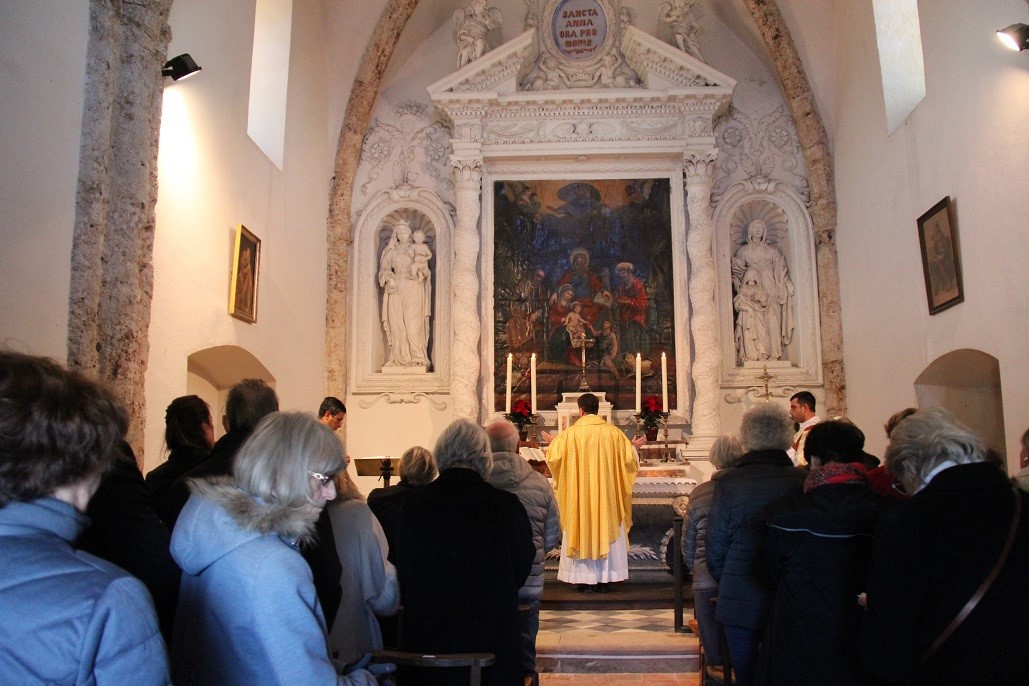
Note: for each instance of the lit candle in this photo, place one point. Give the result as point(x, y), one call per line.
point(507, 405)
point(532, 381)
point(639, 382)
point(664, 383)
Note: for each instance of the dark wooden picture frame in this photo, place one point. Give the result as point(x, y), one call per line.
point(941, 261)
point(246, 263)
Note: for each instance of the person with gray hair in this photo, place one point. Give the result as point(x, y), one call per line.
point(248, 610)
point(946, 594)
point(464, 550)
point(417, 467)
point(724, 453)
point(734, 532)
point(513, 474)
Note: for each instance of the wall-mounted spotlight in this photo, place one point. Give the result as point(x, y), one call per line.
point(180, 67)
point(1015, 37)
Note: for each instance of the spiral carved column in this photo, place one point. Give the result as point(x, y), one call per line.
point(699, 170)
point(464, 352)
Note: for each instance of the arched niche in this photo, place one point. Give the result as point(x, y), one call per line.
point(426, 211)
point(785, 212)
point(211, 372)
point(966, 383)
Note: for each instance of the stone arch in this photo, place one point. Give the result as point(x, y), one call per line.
point(211, 372)
point(810, 131)
point(966, 382)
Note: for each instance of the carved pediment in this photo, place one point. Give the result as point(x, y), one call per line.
point(661, 66)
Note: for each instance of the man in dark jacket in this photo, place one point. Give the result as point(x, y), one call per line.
point(247, 403)
point(734, 534)
point(816, 553)
point(512, 473)
point(465, 548)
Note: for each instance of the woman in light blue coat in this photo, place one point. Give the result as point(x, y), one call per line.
point(248, 612)
point(67, 617)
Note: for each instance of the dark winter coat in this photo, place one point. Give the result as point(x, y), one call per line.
point(931, 554)
point(387, 505)
point(219, 463)
point(817, 551)
point(160, 479)
point(734, 532)
point(464, 550)
point(694, 535)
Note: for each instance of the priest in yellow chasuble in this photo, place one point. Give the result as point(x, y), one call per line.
point(594, 466)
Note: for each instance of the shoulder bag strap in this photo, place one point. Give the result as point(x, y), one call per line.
point(985, 586)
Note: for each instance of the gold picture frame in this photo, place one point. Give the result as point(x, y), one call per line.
point(246, 264)
point(941, 261)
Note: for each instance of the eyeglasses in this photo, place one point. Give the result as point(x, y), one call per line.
point(323, 479)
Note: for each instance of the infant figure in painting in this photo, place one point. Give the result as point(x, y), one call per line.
point(420, 255)
point(575, 325)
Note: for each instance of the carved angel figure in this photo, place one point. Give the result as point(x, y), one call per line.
point(471, 27)
point(768, 264)
point(683, 17)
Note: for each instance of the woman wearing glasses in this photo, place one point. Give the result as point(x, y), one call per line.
point(248, 612)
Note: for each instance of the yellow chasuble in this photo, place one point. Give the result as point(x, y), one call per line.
point(594, 466)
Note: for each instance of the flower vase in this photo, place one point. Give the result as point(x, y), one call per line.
point(523, 433)
point(650, 432)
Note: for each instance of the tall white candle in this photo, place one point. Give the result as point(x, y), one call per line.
point(664, 383)
point(639, 383)
point(507, 405)
point(532, 381)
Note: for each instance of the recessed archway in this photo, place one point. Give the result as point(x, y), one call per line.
point(211, 372)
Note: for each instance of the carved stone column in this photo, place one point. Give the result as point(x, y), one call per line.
point(699, 171)
point(464, 352)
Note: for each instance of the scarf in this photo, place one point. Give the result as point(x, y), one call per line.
point(835, 473)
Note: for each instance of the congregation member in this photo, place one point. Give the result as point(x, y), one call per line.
point(817, 552)
point(734, 532)
point(594, 466)
point(512, 473)
point(946, 594)
point(247, 403)
point(881, 480)
point(416, 468)
point(802, 412)
point(188, 435)
point(725, 452)
point(332, 412)
point(67, 617)
point(367, 580)
point(1022, 478)
point(248, 612)
point(125, 529)
point(464, 550)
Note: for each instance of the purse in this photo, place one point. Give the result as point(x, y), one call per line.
point(983, 587)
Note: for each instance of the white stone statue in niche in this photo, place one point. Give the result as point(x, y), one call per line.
point(773, 277)
point(406, 280)
point(470, 27)
point(683, 17)
point(751, 305)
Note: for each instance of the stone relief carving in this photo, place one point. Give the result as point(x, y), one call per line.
point(406, 280)
point(760, 149)
point(764, 292)
point(683, 18)
point(470, 29)
point(415, 146)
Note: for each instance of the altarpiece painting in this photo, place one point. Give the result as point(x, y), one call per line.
point(585, 263)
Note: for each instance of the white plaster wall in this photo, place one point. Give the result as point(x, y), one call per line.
point(967, 139)
point(42, 58)
point(212, 177)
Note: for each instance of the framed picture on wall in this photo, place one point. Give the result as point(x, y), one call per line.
point(245, 264)
point(941, 263)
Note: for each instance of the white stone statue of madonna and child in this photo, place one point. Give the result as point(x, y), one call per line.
point(406, 281)
point(763, 298)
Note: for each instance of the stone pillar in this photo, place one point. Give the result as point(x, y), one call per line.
point(464, 282)
point(699, 170)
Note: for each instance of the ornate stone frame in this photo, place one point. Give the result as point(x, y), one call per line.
point(663, 128)
point(800, 253)
point(366, 338)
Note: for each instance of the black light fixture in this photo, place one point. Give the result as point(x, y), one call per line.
point(180, 67)
point(1015, 37)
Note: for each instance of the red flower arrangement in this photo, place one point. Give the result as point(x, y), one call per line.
point(520, 414)
point(651, 416)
